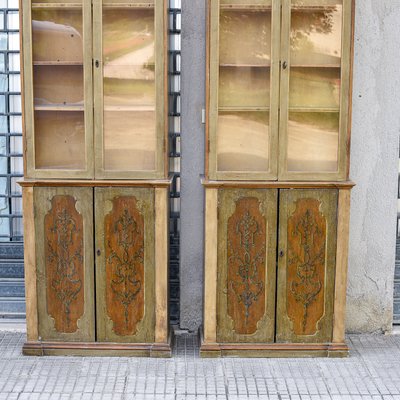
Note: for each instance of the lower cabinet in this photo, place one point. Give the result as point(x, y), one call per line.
point(96, 253)
point(279, 289)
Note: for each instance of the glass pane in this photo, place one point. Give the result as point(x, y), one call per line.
point(59, 140)
point(129, 90)
point(58, 78)
point(58, 85)
point(245, 37)
point(313, 142)
point(57, 36)
point(314, 87)
point(129, 141)
point(316, 35)
point(243, 140)
point(128, 37)
point(244, 87)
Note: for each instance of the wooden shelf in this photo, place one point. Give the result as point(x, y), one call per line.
point(62, 6)
point(243, 109)
point(60, 107)
point(56, 63)
point(315, 66)
point(245, 65)
point(128, 108)
point(140, 6)
point(240, 7)
point(314, 109)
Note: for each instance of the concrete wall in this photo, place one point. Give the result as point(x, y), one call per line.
point(192, 163)
point(375, 138)
point(376, 128)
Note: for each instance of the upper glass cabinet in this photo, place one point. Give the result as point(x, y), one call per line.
point(279, 79)
point(95, 84)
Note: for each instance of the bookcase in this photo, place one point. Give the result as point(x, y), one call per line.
point(95, 192)
point(277, 177)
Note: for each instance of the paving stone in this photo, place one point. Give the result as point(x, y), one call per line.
point(371, 373)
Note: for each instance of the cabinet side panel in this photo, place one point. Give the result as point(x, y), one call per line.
point(161, 263)
point(246, 265)
point(64, 256)
point(307, 256)
point(30, 265)
point(210, 269)
point(125, 264)
point(341, 266)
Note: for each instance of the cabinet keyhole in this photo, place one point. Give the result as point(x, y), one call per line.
point(98, 253)
point(281, 253)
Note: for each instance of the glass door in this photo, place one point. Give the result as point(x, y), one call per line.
point(315, 52)
point(58, 84)
point(130, 103)
point(244, 89)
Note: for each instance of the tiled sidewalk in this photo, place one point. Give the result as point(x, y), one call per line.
point(372, 372)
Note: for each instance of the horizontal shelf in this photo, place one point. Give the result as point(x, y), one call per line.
point(245, 65)
point(315, 66)
point(55, 63)
point(60, 107)
point(314, 109)
point(62, 6)
point(314, 8)
point(142, 6)
point(129, 108)
point(240, 7)
point(243, 109)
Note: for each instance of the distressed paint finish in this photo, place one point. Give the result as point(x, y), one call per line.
point(246, 265)
point(124, 233)
point(306, 265)
point(63, 227)
point(246, 269)
point(64, 263)
point(306, 272)
point(125, 264)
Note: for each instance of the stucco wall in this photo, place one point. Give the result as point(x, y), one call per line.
point(376, 128)
point(374, 165)
point(192, 163)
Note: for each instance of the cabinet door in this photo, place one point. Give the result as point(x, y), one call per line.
point(130, 88)
point(64, 259)
point(125, 274)
point(315, 86)
point(306, 265)
point(246, 265)
point(244, 40)
point(57, 81)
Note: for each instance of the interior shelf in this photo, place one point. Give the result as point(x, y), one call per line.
point(129, 5)
point(240, 7)
point(67, 107)
point(314, 109)
point(315, 66)
point(129, 108)
point(57, 6)
point(245, 65)
point(55, 63)
point(242, 109)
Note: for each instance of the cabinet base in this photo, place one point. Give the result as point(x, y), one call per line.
point(155, 350)
point(273, 350)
